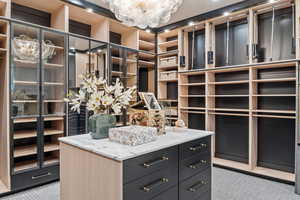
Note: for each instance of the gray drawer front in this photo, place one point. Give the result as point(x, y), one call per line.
point(195, 147)
point(193, 165)
point(34, 178)
point(152, 185)
point(141, 166)
point(194, 187)
point(171, 194)
point(205, 196)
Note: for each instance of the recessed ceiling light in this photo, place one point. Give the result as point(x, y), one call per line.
point(89, 10)
point(99, 50)
point(191, 23)
point(226, 13)
point(167, 30)
point(148, 30)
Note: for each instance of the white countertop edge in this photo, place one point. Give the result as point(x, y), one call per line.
point(119, 152)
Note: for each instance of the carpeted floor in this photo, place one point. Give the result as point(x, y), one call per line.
point(227, 185)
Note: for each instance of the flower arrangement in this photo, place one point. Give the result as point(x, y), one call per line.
point(100, 97)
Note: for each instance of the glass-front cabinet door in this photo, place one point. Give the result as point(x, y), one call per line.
point(123, 65)
point(53, 86)
point(25, 97)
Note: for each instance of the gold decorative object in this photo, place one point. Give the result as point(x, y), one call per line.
point(26, 48)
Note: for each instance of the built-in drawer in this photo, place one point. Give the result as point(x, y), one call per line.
point(34, 178)
point(143, 165)
point(195, 147)
point(171, 194)
point(204, 196)
point(151, 185)
point(194, 165)
point(195, 187)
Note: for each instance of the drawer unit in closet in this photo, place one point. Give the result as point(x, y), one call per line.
point(195, 147)
point(33, 178)
point(151, 185)
point(194, 165)
point(144, 165)
point(197, 187)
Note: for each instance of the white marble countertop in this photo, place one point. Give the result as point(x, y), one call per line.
point(121, 152)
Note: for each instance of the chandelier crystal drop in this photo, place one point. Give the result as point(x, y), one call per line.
point(144, 13)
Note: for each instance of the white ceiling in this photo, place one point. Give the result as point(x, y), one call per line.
point(189, 8)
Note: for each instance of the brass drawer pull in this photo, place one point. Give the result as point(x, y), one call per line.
point(41, 176)
point(155, 162)
point(150, 187)
point(197, 148)
point(197, 164)
point(197, 186)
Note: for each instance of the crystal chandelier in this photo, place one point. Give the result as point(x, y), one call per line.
point(144, 13)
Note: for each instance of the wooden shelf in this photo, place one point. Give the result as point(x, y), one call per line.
point(33, 133)
point(118, 60)
point(25, 82)
point(274, 95)
point(192, 84)
point(228, 82)
point(168, 100)
point(51, 147)
point(275, 116)
point(170, 80)
point(168, 53)
point(191, 96)
point(192, 108)
point(146, 55)
point(24, 101)
point(276, 111)
point(257, 170)
point(193, 112)
point(53, 118)
point(24, 120)
point(147, 63)
point(229, 96)
point(275, 80)
point(146, 46)
point(32, 64)
point(167, 44)
point(229, 109)
point(228, 114)
point(51, 160)
point(20, 166)
point(22, 151)
point(53, 84)
point(167, 67)
point(172, 118)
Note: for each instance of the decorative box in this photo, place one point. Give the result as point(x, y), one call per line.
point(169, 75)
point(171, 111)
point(133, 135)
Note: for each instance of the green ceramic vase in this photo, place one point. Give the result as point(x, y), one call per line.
point(99, 125)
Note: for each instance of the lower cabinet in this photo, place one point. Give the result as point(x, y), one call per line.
point(182, 172)
point(34, 178)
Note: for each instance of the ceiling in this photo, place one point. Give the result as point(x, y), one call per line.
point(189, 8)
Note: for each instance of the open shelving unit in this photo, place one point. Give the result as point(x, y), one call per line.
point(250, 92)
point(167, 69)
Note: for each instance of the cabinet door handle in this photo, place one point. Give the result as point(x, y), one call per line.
point(197, 148)
point(197, 164)
point(41, 176)
point(151, 186)
point(197, 186)
point(155, 162)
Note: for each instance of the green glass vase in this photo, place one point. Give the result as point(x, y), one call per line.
point(99, 125)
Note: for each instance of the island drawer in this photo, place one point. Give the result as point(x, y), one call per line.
point(171, 194)
point(189, 149)
point(195, 187)
point(34, 178)
point(146, 164)
point(194, 165)
point(150, 186)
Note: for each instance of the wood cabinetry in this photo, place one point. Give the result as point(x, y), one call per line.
point(247, 89)
point(178, 172)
